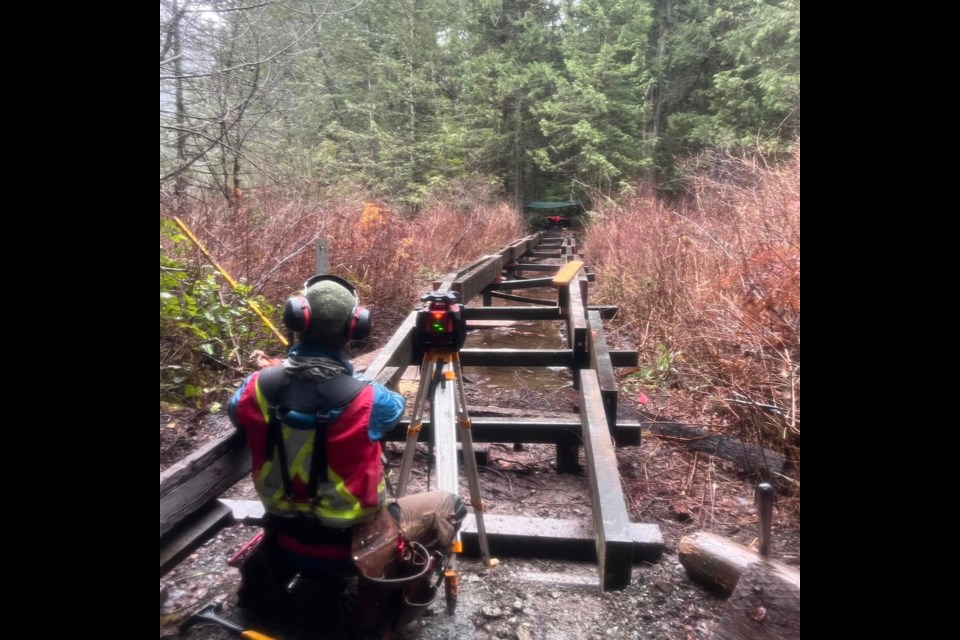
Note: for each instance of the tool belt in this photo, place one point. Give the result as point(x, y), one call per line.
point(374, 544)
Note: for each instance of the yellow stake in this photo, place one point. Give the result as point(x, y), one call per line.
point(233, 283)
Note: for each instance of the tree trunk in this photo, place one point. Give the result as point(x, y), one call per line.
point(180, 184)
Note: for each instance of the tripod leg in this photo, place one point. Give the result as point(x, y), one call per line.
point(416, 423)
point(469, 461)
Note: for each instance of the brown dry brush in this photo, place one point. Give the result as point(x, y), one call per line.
point(268, 242)
point(709, 291)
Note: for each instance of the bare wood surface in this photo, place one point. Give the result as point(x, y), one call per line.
point(176, 475)
point(532, 283)
point(567, 273)
point(201, 477)
point(764, 606)
point(714, 561)
point(399, 352)
point(514, 298)
point(191, 533)
point(719, 562)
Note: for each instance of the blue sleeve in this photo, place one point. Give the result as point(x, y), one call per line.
point(234, 401)
point(387, 410)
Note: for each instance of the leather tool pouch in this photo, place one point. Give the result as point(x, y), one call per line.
point(374, 544)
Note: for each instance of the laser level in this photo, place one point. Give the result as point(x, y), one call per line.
point(440, 334)
point(440, 323)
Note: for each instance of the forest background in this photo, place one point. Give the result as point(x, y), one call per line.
point(410, 134)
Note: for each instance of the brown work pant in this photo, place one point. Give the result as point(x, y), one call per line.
point(432, 519)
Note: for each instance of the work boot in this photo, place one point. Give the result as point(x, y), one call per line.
point(263, 581)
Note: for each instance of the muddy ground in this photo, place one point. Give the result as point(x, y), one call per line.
point(521, 598)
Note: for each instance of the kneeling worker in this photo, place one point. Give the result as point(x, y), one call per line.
point(314, 433)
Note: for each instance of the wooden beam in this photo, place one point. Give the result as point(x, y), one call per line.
point(516, 429)
point(567, 273)
point(600, 362)
point(536, 266)
point(610, 518)
point(191, 532)
point(576, 331)
point(520, 535)
point(390, 376)
point(509, 285)
point(609, 390)
point(511, 313)
point(399, 352)
point(606, 311)
point(516, 249)
point(516, 357)
point(554, 538)
point(473, 282)
point(201, 477)
point(624, 357)
point(513, 298)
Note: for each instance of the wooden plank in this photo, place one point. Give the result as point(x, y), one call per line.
point(182, 471)
point(577, 333)
point(509, 285)
point(624, 357)
point(191, 533)
point(544, 254)
point(390, 376)
point(513, 298)
point(548, 538)
point(399, 352)
point(609, 390)
point(535, 266)
point(516, 357)
point(600, 362)
point(521, 535)
point(474, 281)
point(511, 313)
point(607, 312)
point(515, 429)
point(614, 550)
point(567, 273)
point(513, 252)
point(192, 490)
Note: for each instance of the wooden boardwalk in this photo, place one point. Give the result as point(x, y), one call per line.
point(188, 491)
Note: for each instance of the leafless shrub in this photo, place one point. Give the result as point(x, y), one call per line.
point(268, 242)
point(710, 290)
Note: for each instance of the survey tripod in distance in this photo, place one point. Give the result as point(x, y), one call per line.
point(440, 333)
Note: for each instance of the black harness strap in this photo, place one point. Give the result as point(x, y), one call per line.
point(308, 396)
point(338, 392)
point(275, 442)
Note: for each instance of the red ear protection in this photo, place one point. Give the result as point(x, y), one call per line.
point(296, 311)
point(296, 314)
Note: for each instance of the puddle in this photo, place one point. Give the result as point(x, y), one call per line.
point(537, 334)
